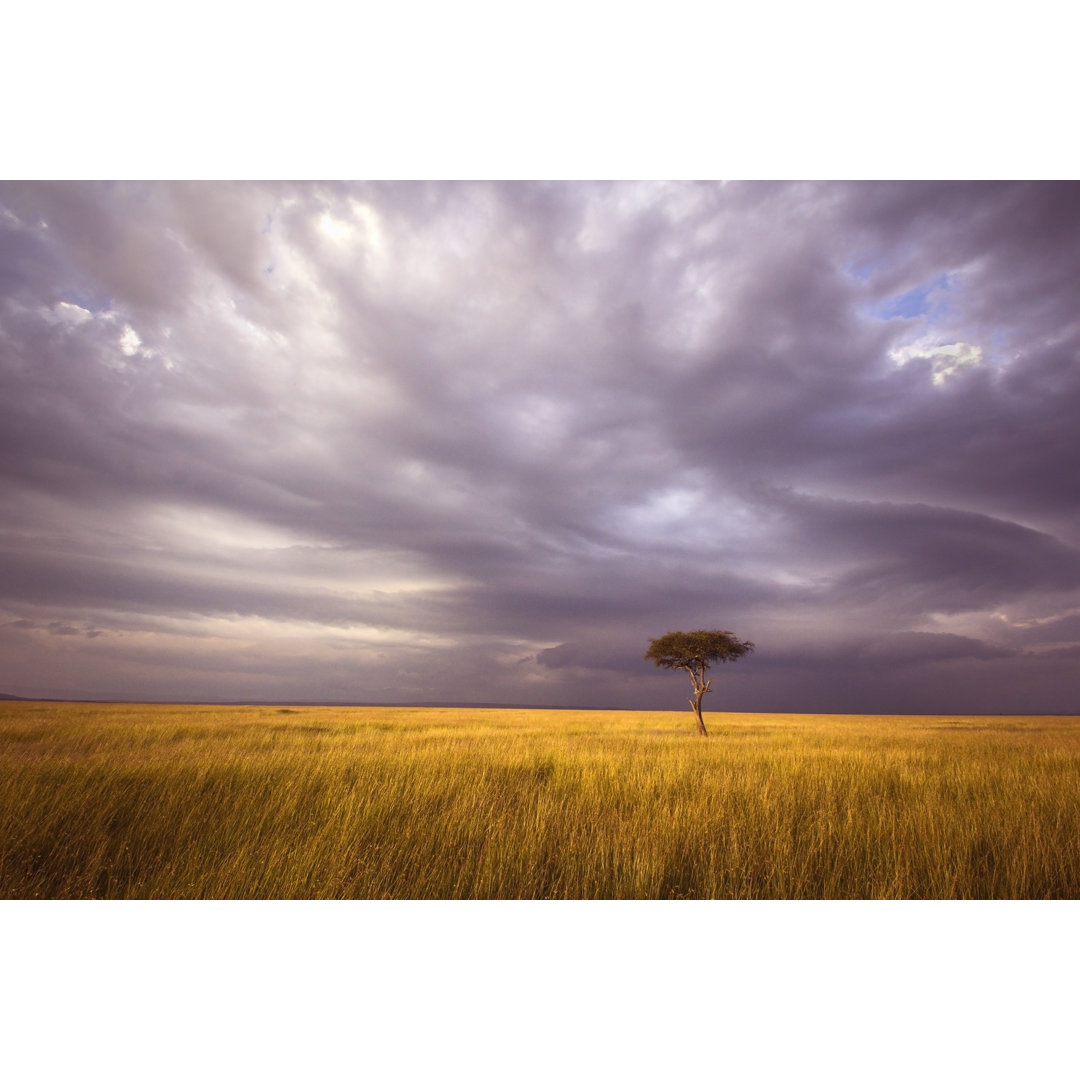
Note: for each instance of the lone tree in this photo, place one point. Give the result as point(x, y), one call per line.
point(694, 651)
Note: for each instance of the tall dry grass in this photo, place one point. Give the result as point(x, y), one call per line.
point(139, 802)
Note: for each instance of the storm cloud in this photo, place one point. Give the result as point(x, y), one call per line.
point(481, 442)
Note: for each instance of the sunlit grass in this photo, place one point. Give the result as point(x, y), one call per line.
point(136, 801)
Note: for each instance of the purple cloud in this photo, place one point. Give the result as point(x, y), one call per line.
point(464, 434)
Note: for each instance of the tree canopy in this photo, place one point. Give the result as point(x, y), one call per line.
point(695, 651)
point(699, 648)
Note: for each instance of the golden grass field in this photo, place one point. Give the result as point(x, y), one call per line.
point(246, 802)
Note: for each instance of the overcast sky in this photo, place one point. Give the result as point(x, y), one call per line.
point(481, 442)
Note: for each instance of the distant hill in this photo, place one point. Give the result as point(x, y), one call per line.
point(120, 700)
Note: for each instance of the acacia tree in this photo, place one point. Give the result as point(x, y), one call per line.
point(694, 651)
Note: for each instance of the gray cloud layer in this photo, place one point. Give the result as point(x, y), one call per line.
point(482, 441)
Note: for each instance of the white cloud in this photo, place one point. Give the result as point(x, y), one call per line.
point(71, 314)
point(129, 341)
point(335, 229)
point(945, 359)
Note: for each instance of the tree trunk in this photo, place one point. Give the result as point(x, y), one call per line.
point(701, 688)
point(695, 704)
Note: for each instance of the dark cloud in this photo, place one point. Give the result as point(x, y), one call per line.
point(921, 648)
point(608, 655)
point(923, 559)
point(483, 441)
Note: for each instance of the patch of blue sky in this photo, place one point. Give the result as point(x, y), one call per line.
point(924, 299)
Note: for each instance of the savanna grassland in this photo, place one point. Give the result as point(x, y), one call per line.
point(239, 802)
